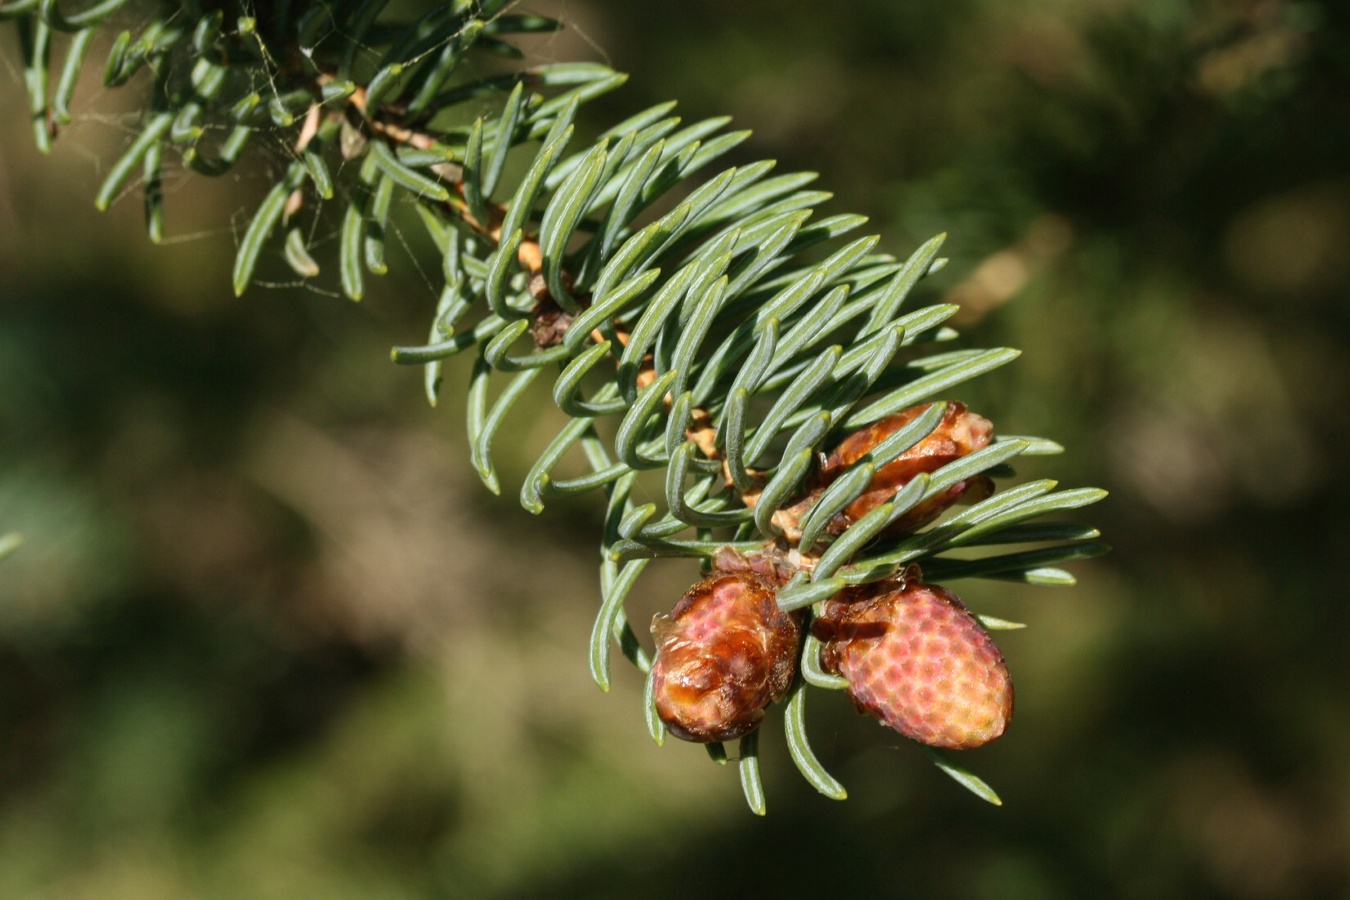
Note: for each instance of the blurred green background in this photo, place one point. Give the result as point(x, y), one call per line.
point(269, 637)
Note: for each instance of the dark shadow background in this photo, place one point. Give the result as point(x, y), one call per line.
point(269, 637)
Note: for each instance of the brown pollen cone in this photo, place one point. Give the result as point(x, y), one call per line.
point(723, 654)
point(915, 658)
point(959, 433)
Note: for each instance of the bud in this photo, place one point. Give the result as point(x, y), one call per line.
point(960, 432)
point(915, 658)
point(723, 654)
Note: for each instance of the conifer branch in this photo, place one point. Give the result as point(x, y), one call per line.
point(735, 343)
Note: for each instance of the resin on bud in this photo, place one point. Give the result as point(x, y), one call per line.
point(725, 652)
point(915, 658)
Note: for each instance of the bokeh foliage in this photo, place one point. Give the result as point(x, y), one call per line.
point(220, 695)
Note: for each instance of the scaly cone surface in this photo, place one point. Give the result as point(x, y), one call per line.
point(915, 658)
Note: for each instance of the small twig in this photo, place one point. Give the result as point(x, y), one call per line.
point(550, 321)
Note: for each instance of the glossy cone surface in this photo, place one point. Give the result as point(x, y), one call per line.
point(915, 658)
point(723, 654)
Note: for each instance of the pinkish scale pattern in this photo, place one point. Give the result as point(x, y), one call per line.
point(915, 658)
